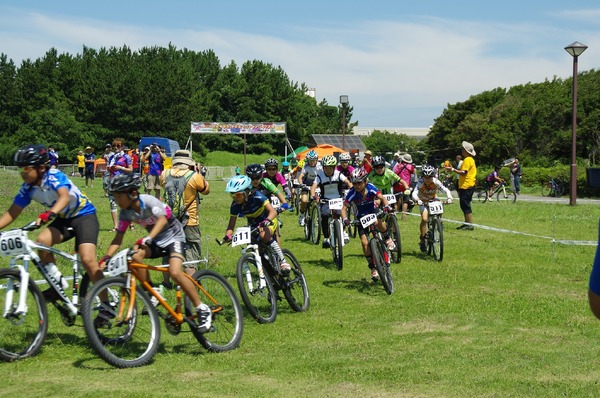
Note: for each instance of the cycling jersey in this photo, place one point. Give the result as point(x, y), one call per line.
point(254, 208)
point(267, 188)
point(426, 192)
point(151, 209)
point(347, 172)
point(47, 194)
point(364, 204)
point(385, 181)
point(331, 187)
point(278, 179)
point(310, 172)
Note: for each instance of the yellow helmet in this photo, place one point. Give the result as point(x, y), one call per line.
point(301, 164)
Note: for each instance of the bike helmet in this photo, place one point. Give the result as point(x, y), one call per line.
point(31, 155)
point(345, 157)
point(271, 162)
point(254, 170)
point(378, 161)
point(285, 164)
point(329, 160)
point(312, 155)
point(238, 184)
point(301, 163)
point(359, 174)
point(125, 182)
point(428, 171)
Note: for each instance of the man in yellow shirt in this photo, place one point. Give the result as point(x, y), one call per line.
point(467, 174)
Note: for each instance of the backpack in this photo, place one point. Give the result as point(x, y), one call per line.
point(173, 196)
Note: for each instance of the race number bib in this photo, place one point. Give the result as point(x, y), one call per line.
point(368, 219)
point(436, 208)
point(13, 243)
point(336, 204)
point(275, 202)
point(241, 236)
point(391, 198)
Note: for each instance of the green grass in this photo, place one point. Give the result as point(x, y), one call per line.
point(503, 315)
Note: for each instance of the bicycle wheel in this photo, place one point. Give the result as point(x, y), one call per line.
point(506, 195)
point(559, 190)
point(381, 260)
point(294, 285)
point(481, 194)
point(307, 225)
point(337, 244)
point(21, 335)
point(437, 239)
point(315, 218)
point(352, 228)
point(124, 332)
point(547, 189)
point(227, 320)
point(394, 233)
point(257, 292)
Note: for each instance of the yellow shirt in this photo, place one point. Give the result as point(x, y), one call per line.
point(466, 181)
point(196, 184)
point(80, 161)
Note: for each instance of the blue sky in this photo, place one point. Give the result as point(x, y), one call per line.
point(400, 62)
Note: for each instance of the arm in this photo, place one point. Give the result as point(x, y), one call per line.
point(115, 244)
point(230, 226)
point(8, 217)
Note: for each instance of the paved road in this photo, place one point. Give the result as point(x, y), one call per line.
point(563, 199)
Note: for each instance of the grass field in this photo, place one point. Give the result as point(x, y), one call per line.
point(503, 315)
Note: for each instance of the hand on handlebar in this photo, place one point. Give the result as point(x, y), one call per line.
point(347, 222)
point(265, 223)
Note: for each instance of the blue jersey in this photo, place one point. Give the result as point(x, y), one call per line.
point(364, 204)
point(47, 194)
point(254, 208)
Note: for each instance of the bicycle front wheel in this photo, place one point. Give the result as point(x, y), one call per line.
point(481, 194)
point(227, 317)
point(257, 291)
point(294, 285)
point(124, 330)
point(381, 260)
point(21, 335)
point(506, 195)
point(546, 189)
point(394, 233)
point(337, 244)
point(352, 228)
point(315, 219)
point(437, 239)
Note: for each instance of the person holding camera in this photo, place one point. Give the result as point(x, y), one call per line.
point(155, 158)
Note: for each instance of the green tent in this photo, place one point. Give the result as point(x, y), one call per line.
point(291, 155)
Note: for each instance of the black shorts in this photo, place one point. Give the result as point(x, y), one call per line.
point(85, 228)
point(176, 247)
point(89, 173)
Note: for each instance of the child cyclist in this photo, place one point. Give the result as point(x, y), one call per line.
point(344, 166)
point(307, 177)
point(271, 173)
point(258, 210)
point(363, 195)
point(425, 192)
point(331, 182)
point(69, 212)
point(383, 178)
point(264, 185)
point(165, 237)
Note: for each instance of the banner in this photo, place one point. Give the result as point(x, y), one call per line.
point(237, 128)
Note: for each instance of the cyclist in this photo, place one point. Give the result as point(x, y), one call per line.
point(405, 170)
point(493, 180)
point(383, 178)
point(165, 237)
point(331, 183)
point(258, 210)
point(425, 192)
point(307, 177)
point(255, 172)
point(69, 212)
point(285, 169)
point(364, 194)
point(344, 166)
point(276, 177)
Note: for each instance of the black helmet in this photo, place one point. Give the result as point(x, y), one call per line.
point(125, 182)
point(254, 170)
point(31, 155)
point(271, 162)
point(378, 161)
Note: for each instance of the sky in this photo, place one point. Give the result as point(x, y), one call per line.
point(399, 62)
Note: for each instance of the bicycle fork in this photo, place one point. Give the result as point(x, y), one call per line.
point(10, 294)
point(261, 272)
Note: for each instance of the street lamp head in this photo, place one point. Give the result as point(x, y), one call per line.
point(343, 99)
point(576, 49)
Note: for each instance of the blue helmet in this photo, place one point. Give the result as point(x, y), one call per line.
point(238, 184)
point(312, 155)
point(285, 164)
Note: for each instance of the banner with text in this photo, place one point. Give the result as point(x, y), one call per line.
point(237, 128)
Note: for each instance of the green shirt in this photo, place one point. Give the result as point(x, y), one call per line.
point(385, 181)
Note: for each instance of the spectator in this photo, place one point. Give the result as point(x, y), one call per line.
point(515, 172)
point(135, 160)
point(53, 155)
point(366, 162)
point(108, 153)
point(405, 170)
point(155, 158)
point(119, 163)
point(467, 175)
point(90, 160)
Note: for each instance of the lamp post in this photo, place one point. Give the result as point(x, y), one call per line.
point(344, 102)
point(575, 49)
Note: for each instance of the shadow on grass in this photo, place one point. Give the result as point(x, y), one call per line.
point(364, 286)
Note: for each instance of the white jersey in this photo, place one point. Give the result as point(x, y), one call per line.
point(310, 173)
point(331, 187)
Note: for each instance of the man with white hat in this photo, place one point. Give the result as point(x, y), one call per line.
point(184, 166)
point(467, 174)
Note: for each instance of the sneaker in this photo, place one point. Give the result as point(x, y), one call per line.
point(468, 228)
point(301, 220)
point(390, 244)
point(374, 275)
point(104, 316)
point(423, 246)
point(346, 238)
point(461, 226)
point(326, 244)
point(285, 267)
point(204, 318)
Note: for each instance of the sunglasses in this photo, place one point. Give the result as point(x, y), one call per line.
point(237, 195)
point(271, 168)
point(25, 169)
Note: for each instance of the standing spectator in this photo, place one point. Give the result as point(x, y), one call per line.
point(396, 160)
point(467, 175)
point(80, 163)
point(119, 163)
point(53, 155)
point(155, 159)
point(405, 170)
point(459, 161)
point(108, 153)
point(184, 165)
point(515, 172)
point(366, 162)
point(89, 159)
point(135, 160)
point(145, 166)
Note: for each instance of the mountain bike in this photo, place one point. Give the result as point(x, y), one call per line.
point(553, 188)
point(260, 279)
point(379, 251)
point(434, 237)
point(312, 222)
point(503, 193)
point(24, 322)
point(336, 232)
point(391, 221)
point(125, 331)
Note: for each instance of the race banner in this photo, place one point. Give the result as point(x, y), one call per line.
point(237, 128)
